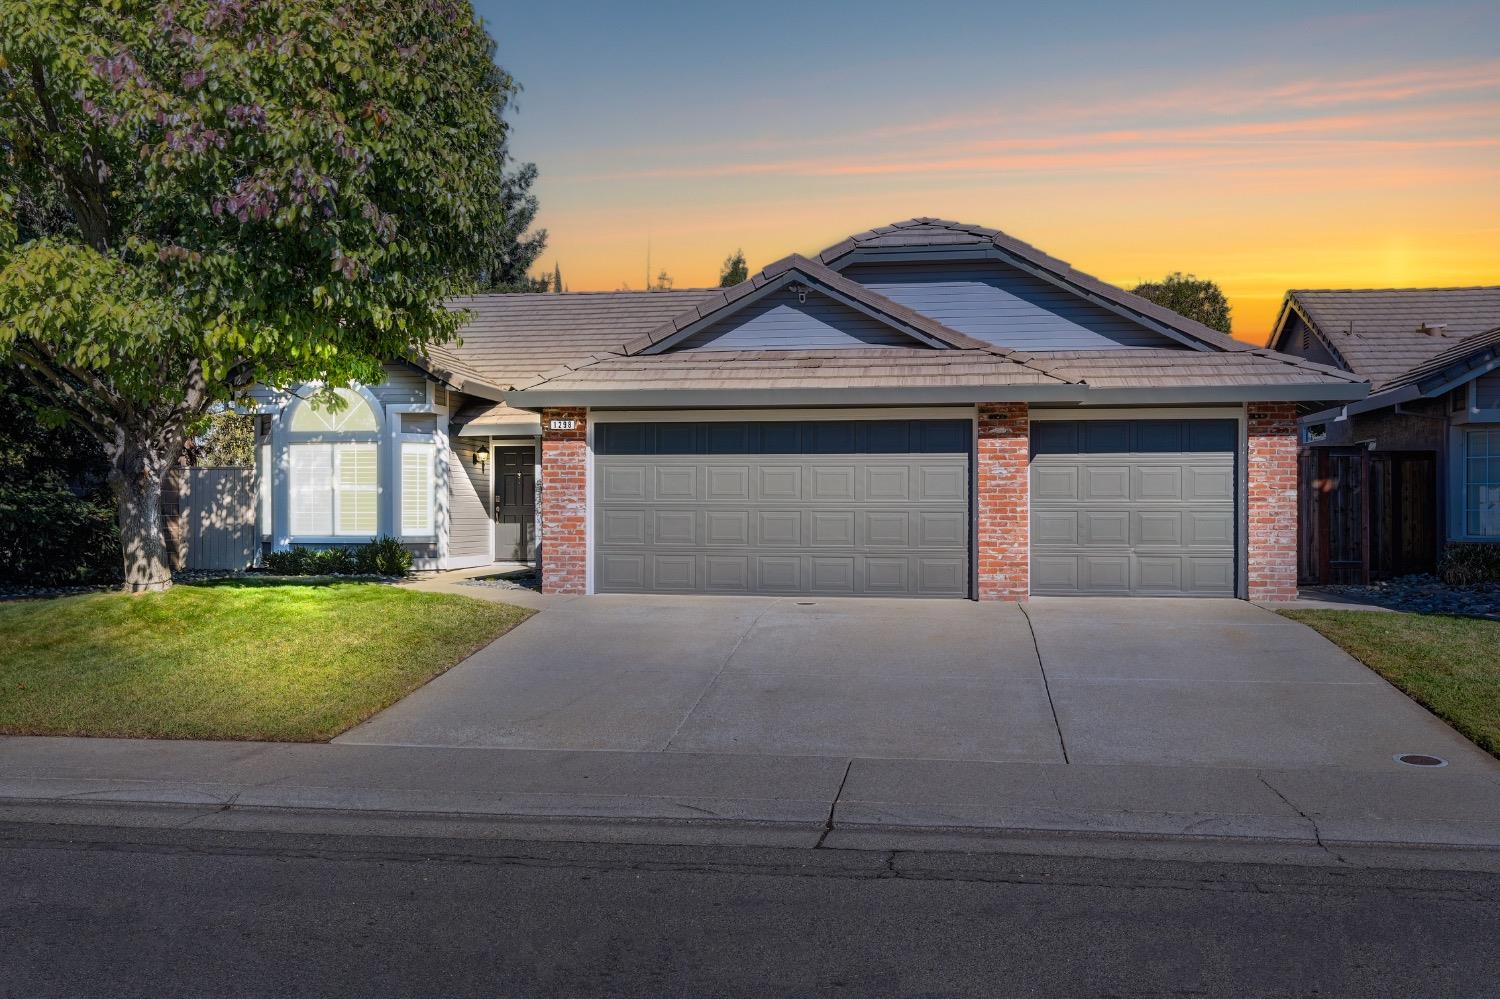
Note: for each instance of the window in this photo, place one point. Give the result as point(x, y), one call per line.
point(1482, 483)
point(417, 494)
point(355, 416)
point(263, 489)
point(334, 490)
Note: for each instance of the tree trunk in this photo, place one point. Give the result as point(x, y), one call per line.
point(138, 467)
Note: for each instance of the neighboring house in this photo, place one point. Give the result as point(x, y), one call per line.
point(925, 409)
point(1388, 480)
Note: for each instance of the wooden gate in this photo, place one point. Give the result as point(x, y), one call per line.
point(1366, 515)
point(209, 515)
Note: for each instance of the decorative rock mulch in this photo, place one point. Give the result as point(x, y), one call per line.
point(1428, 595)
point(514, 581)
point(15, 591)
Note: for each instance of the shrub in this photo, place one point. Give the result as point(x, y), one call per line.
point(49, 536)
point(1466, 563)
point(384, 557)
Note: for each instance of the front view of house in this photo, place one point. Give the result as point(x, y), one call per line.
point(927, 409)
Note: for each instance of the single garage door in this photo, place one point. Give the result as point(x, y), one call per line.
point(1138, 507)
point(834, 508)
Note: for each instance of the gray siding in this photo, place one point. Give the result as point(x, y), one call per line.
point(779, 322)
point(1299, 341)
point(999, 304)
point(468, 501)
point(1487, 391)
point(403, 386)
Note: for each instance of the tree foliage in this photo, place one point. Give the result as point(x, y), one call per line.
point(226, 438)
point(516, 245)
point(202, 195)
point(734, 271)
point(1191, 296)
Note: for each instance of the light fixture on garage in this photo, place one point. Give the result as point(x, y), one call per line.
point(800, 290)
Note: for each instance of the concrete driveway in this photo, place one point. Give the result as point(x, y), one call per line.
point(1217, 683)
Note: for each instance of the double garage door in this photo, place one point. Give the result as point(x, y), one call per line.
point(834, 508)
point(882, 507)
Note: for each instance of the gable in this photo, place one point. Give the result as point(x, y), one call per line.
point(783, 320)
point(1298, 339)
point(1002, 305)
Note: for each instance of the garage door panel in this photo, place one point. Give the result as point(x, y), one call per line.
point(1145, 507)
point(669, 527)
point(942, 529)
point(830, 507)
point(1106, 482)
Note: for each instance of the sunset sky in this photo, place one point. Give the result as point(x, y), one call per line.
point(1268, 146)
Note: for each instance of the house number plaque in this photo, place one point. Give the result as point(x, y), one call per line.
point(562, 424)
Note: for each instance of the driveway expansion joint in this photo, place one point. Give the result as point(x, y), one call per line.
point(833, 806)
point(1041, 666)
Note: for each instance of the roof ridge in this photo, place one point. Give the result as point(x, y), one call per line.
point(1366, 291)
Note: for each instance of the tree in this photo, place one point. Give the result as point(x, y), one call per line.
point(272, 192)
point(734, 271)
point(1187, 295)
point(663, 282)
point(514, 252)
point(227, 438)
point(557, 284)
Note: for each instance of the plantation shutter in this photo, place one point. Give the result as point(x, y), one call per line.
point(416, 489)
point(356, 489)
point(312, 482)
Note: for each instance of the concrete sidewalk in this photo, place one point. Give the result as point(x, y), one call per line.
point(726, 798)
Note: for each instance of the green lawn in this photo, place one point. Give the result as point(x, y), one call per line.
point(236, 659)
point(1451, 665)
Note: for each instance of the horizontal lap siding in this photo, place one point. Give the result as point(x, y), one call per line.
point(1004, 306)
point(469, 500)
point(403, 386)
point(780, 321)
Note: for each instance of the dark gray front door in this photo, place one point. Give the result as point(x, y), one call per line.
point(837, 508)
point(1133, 507)
point(515, 503)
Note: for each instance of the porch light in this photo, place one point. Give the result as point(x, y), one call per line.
point(480, 457)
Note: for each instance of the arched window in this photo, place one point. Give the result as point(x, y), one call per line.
point(333, 457)
point(356, 415)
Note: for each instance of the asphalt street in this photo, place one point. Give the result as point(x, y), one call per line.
point(148, 912)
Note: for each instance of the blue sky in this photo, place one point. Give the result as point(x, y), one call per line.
point(1268, 146)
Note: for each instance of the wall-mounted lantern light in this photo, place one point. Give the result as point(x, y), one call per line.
point(481, 456)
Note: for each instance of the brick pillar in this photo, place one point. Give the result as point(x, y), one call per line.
point(1002, 501)
point(564, 488)
point(1273, 501)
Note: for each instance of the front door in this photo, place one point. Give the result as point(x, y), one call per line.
point(515, 503)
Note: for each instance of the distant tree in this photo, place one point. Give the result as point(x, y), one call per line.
point(557, 285)
point(734, 270)
point(1187, 295)
point(228, 438)
point(663, 282)
point(513, 251)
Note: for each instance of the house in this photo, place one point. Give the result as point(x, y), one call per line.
point(1390, 479)
point(924, 409)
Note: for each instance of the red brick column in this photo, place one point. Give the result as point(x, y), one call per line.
point(564, 547)
point(1002, 501)
point(1273, 501)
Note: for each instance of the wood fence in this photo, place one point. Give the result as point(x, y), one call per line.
point(209, 517)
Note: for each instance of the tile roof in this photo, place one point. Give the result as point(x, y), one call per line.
point(515, 337)
point(871, 367)
point(1167, 367)
point(1376, 332)
point(942, 232)
point(1464, 356)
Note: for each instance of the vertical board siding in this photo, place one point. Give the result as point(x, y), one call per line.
point(780, 322)
point(1005, 306)
point(469, 501)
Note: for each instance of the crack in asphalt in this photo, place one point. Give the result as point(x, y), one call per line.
point(1317, 833)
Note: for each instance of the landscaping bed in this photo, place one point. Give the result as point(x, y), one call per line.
point(241, 658)
point(1424, 594)
point(1448, 664)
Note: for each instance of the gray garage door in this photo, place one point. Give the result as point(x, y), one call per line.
point(851, 508)
point(1139, 507)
